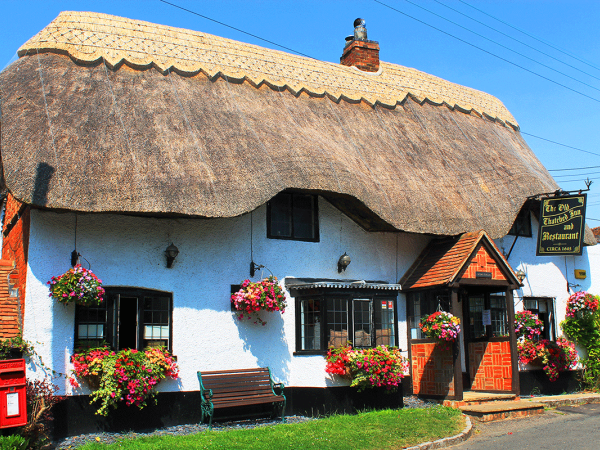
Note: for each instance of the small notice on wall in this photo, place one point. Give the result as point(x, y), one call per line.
point(486, 316)
point(12, 404)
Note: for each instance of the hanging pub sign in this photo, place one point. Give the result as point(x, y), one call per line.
point(562, 225)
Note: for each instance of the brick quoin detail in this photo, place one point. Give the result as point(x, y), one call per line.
point(15, 247)
point(432, 369)
point(483, 262)
point(9, 312)
point(490, 367)
point(363, 55)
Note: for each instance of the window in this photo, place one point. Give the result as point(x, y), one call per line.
point(335, 319)
point(522, 224)
point(128, 318)
point(544, 308)
point(293, 216)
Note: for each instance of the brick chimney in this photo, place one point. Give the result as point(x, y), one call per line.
point(360, 52)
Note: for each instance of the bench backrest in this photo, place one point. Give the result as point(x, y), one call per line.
point(237, 382)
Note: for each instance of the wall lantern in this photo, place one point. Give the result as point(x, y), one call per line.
point(343, 262)
point(171, 253)
point(520, 275)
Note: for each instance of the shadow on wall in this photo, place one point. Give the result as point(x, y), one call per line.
point(267, 343)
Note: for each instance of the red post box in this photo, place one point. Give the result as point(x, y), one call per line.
point(13, 404)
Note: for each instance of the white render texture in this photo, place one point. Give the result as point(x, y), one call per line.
point(214, 254)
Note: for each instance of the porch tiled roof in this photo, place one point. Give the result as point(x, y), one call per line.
point(443, 260)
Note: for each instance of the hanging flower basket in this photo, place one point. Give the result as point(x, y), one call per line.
point(582, 304)
point(77, 285)
point(528, 325)
point(264, 295)
point(441, 325)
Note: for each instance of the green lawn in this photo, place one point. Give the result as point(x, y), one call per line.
point(388, 429)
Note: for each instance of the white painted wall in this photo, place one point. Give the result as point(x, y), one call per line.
point(214, 254)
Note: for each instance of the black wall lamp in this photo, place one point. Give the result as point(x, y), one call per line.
point(343, 262)
point(520, 275)
point(171, 252)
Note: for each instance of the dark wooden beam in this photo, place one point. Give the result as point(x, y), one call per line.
point(456, 310)
point(510, 311)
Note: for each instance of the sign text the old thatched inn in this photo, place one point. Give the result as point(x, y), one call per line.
point(562, 222)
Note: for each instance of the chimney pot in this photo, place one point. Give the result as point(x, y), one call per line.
point(359, 51)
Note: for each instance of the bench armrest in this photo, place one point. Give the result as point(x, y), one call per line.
point(278, 388)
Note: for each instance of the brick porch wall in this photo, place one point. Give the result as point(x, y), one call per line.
point(489, 366)
point(432, 369)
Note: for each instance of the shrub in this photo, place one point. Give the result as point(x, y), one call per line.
point(13, 442)
point(40, 400)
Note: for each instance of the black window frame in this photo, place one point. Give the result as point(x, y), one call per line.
point(292, 237)
point(107, 308)
point(349, 297)
point(548, 318)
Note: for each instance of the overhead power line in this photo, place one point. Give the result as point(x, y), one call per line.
point(516, 40)
point(501, 45)
point(486, 51)
point(558, 143)
point(236, 29)
point(531, 36)
point(574, 168)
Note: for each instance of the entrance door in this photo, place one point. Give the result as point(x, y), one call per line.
point(485, 322)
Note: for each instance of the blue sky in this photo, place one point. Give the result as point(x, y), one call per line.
point(317, 28)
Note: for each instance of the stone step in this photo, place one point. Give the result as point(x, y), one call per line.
point(502, 410)
point(480, 398)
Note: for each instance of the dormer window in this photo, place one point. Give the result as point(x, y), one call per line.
point(522, 224)
point(293, 216)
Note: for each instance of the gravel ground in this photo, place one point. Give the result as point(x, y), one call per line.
point(181, 430)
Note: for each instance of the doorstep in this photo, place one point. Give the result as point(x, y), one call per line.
point(501, 410)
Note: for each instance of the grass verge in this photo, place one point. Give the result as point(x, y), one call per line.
point(387, 429)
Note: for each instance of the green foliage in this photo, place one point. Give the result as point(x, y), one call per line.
point(15, 344)
point(387, 429)
point(585, 331)
point(13, 442)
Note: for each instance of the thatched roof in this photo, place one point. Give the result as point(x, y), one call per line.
point(104, 114)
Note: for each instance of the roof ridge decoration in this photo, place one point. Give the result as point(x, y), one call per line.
point(87, 37)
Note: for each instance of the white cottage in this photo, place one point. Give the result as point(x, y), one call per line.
point(121, 137)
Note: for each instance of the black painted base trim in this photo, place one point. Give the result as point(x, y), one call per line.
point(537, 382)
point(74, 415)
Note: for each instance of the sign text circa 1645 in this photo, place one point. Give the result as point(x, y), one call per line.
point(562, 222)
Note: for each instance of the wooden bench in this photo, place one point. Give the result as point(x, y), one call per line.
point(238, 388)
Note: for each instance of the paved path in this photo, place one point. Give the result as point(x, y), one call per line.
point(566, 427)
